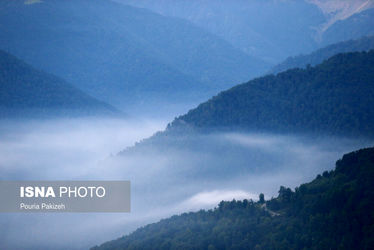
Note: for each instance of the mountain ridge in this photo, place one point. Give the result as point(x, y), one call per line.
point(28, 92)
point(338, 10)
point(335, 210)
point(363, 44)
point(272, 30)
point(338, 92)
point(123, 55)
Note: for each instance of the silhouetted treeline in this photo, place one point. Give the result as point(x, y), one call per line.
point(302, 61)
point(335, 97)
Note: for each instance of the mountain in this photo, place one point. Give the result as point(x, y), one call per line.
point(126, 56)
point(333, 98)
point(28, 92)
point(334, 211)
point(337, 10)
point(272, 30)
point(261, 28)
point(318, 56)
point(354, 27)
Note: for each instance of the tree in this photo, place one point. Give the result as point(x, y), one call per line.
point(261, 198)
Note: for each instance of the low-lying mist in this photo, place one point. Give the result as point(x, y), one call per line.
point(184, 174)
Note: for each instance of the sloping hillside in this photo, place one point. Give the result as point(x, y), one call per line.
point(354, 27)
point(123, 55)
point(334, 211)
point(337, 10)
point(270, 29)
point(27, 92)
point(263, 28)
point(317, 57)
point(335, 97)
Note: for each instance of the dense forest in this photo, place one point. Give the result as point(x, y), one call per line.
point(27, 92)
point(335, 98)
point(277, 91)
point(302, 61)
point(334, 211)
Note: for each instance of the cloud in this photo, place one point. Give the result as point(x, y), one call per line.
point(181, 175)
point(29, 2)
point(212, 198)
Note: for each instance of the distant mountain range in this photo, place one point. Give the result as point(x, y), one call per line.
point(333, 98)
point(273, 30)
point(337, 10)
point(126, 56)
point(136, 59)
point(356, 26)
point(263, 28)
point(334, 211)
point(318, 56)
point(26, 92)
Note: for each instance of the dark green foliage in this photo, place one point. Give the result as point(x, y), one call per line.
point(317, 57)
point(26, 92)
point(335, 98)
point(334, 211)
point(261, 198)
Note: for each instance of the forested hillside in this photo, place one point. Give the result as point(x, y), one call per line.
point(27, 92)
point(126, 56)
point(363, 44)
point(334, 211)
point(335, 98)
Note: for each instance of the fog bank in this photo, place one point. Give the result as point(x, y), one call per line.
point(181, 176)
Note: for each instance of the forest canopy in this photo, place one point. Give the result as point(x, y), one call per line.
point(334, 211)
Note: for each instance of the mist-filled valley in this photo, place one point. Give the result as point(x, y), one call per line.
point(185, 174)
point(228, 118)
point(62, 149)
